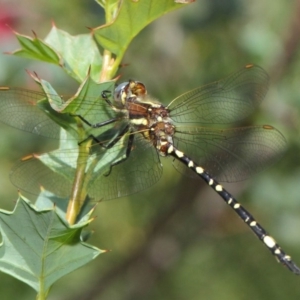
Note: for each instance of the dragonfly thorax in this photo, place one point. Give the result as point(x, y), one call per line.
point(147, 116)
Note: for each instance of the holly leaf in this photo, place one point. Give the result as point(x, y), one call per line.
point(86, 103)
point(80, 53)
point(39, 247)
point(35, 48)
point(75, 54)
point(132, 17)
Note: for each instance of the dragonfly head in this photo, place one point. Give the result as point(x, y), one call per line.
point(129, 89)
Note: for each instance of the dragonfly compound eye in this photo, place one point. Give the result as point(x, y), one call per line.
point(120, 93)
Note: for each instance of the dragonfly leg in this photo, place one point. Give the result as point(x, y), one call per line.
point(101, 143)
point(105, 96)
point(125, 157)
point(97, 125)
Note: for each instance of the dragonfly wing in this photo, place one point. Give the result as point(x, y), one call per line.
point(139, 171)
point(226, 101)
point(31, 175)
point(18, 108)
point(231, 154)
point(31, 111)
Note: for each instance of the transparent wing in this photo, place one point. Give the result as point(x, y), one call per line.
point(226, 101)
point(231, 154)
point(31, 175)
point(19, 108)
point(141, 170)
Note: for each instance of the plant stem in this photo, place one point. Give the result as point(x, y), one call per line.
point(77, 195)
point(79, 188)
point(42, 295)
point(78, 192)
point(106, 71)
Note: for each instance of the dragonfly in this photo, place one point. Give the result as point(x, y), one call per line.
point(139, 130)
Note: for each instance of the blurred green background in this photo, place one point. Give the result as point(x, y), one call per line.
point(178, 240)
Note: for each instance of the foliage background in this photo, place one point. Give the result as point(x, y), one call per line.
point(178, 240)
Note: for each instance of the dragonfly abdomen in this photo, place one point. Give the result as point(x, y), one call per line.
point(256, 228)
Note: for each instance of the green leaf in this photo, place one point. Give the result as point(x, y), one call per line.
point(132, 17)
point(79, 53)
point(34, 48)
point(110, 6)
point(47, 200)
point(39, 247)
point(75, 54)
point(54, 171)
point(87, 102)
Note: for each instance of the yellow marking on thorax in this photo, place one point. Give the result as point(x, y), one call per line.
point(141, 121)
